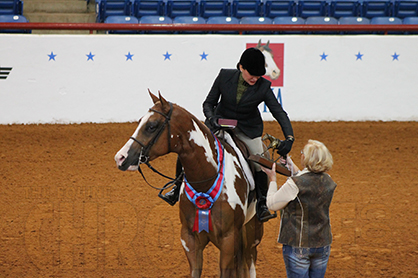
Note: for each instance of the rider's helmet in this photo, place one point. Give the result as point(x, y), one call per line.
point(253, 61)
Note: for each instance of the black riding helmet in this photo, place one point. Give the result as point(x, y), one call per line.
point(253, 61)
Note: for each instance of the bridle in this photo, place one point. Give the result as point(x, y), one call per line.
point(145, 149)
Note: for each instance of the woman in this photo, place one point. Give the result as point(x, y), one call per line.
point(304, 199)
point(236, 94)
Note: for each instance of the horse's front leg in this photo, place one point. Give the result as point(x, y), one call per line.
point(231, 255)
point(193, 246)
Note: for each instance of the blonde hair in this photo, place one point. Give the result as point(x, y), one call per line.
point(317, 157)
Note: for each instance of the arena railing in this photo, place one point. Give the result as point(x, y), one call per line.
point(304, 28)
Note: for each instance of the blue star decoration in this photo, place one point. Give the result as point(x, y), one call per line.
point(359, 56)
point(51, 56)
point(203, 56)
point(323, 56)
point(129, 56)
point(167, 56)
point(90, 56)
point(395, 57)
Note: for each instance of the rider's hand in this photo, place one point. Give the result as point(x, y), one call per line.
point(285, 146)
point(214, 122)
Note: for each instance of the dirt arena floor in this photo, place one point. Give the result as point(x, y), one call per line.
point(67, 211)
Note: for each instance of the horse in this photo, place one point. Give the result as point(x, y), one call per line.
point(272, 70)
point(217, 202)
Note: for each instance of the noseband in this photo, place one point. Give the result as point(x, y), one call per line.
point(144, 155)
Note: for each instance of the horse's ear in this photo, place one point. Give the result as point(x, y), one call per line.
point(259, 44)
point(268, 42)
point(154, 97)
point(164, 102)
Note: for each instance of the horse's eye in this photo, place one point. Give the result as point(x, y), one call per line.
point(151, 127)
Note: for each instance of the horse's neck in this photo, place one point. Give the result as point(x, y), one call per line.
point(198, 155)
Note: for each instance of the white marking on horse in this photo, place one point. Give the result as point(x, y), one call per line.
point(201, 140)
point(230, 177)
point(184, 245)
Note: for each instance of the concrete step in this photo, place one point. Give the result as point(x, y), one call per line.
point(61, 17)
point(58, 6)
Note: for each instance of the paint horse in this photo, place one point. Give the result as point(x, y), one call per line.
point(216, 202)
point(272, 70)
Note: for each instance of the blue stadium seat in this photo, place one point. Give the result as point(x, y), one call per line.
point(256, 20)
point(121, 19)
point(406, 8)
point(176, 8)
point(288, 20)
point(155, 19)
point(105, 8)
point(276, 8)
point(189, 20)
point(322, 20)
point(386, 20)
point(13, 18)
point(11, 7)
point(343, 8)
point(353, 20)
point(148, 7)
point(246, 8)
point(212, 8)
point(410, 20)
point(223, 20)
point(373, 8)
point(309, 8)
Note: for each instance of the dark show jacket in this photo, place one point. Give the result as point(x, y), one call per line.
point(246, 110)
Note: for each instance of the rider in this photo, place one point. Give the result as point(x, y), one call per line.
point(236, 94)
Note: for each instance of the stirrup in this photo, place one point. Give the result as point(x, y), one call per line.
point(165, 198)
point(267, 217)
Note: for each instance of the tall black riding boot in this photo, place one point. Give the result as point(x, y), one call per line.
point(172, 196)
point(261, 186)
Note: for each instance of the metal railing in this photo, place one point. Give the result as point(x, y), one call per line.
point(304, 28)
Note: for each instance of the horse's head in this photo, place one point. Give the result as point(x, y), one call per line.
point(272, 70)
point(151, 138)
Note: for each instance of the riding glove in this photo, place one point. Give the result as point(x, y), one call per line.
point(285, 146)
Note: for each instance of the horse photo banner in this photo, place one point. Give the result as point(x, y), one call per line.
point(105, 78)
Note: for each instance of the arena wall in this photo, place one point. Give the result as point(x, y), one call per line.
point(105, 78)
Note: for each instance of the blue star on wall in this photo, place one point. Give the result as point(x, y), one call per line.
point(359, 56)
point(167, 56)
point(52, 56)
point(323, 56)
point(395, 57)
point(90, 56)
point(129, 56)
point(203, 56)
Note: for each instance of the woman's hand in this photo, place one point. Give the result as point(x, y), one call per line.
point(271, 173)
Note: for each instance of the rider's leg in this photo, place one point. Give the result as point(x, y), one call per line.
point(255, 146)
point(172, 196)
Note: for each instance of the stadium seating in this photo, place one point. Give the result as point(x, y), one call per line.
point(256, 20)
point(105, 8)
point(322, 20)
point(246, 8)
point(276, 8)
point(189, 20)
point(406, 8)
point(223, 20)
point(309, 8)
point(344, 8)
point(148, 7)
point(13, 18)
point(121, 19)
point(353, 20)
point(410, 20)
point(11, 7)
point(288, 20)
point(176, 8)
point(377, 8)
point(212, 8)
point(386, 20)
point(155, 19)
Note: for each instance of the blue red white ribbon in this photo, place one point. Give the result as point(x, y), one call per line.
point(204, 201)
